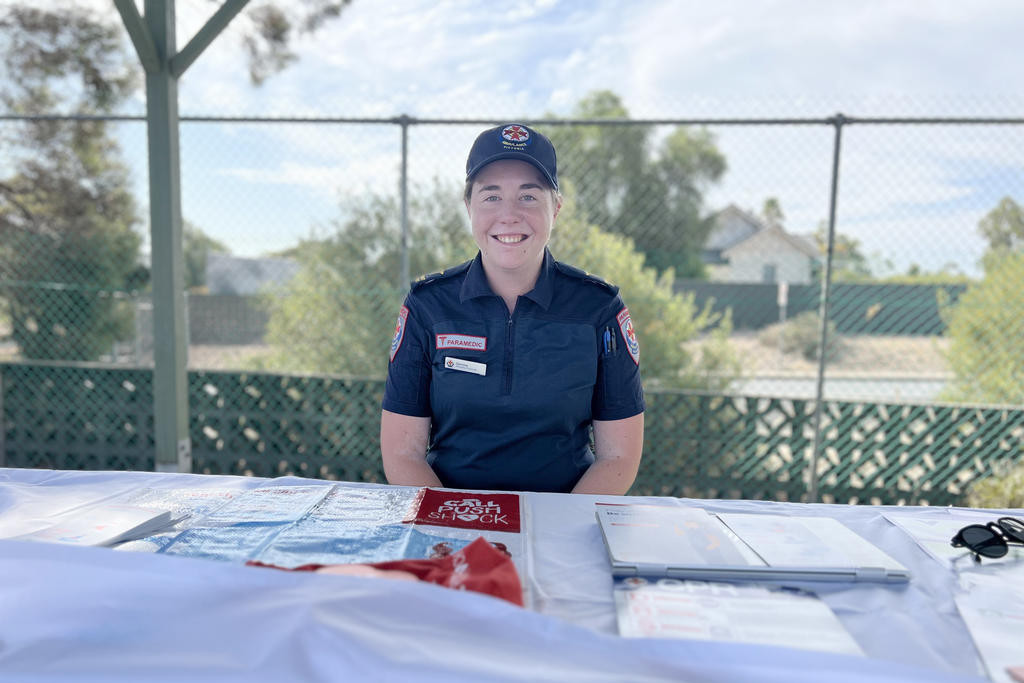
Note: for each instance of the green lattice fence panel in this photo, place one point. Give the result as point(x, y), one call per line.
point(714, 446)
point(904, 453)
point(270, 425)
point(74, 416)
point(88, 417)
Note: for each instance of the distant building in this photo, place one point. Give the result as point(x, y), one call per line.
point(742, 248)
point(227, 274)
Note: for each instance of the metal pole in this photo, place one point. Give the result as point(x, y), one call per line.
point(170, 343)
point(826, 286)
point(3, 427)
point(403, 281)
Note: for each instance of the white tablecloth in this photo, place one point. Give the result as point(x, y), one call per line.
point(72, 613)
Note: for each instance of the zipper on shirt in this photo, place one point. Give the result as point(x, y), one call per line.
point(509, 353)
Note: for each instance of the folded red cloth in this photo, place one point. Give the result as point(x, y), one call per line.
point(478, 567)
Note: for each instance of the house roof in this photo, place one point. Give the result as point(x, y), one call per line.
point(734, 227)
point(796, 242)
point(227, 274)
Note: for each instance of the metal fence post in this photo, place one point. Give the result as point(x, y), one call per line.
point(826, 284)
point(403, 281)
point(3, 423)
point(170, 381)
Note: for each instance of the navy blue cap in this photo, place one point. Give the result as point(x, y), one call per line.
point(513, 141)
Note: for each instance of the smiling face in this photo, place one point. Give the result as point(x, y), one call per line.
point(511, 211)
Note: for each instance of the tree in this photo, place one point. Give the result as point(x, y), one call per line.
point(338, 314)
point(664, 319)
point(629, 184)
point(986, 326)
point(197, 246)
point(772, 211)
point(848, 261)
point(273, 27)
point(67, 217)
point(1003, 228)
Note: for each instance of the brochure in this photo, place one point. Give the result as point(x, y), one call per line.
point(933, 535)
point(683, 542)
point(290, 526)
point(102, 525)
point(676, 608)
point(992, 608)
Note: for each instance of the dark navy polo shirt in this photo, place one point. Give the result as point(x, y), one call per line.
point(511, 396)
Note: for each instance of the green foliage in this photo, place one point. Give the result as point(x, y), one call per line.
point(664, 319)
point(771, 211)
point(68, 245)
point(917, 276)
point(1003, 226)
point(1004, 489)
point(338, 314)
point(197, 246)
point(275, 26)
point(849, 264)
point(61, 57)
point(629, 184)
point(985, 329)
point(802, 334)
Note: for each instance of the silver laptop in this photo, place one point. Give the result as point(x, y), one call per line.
point(689, 543)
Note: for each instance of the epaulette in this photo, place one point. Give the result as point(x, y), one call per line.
point(573, 271)
point(440, 275)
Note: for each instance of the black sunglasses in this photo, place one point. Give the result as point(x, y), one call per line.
point(992, 539)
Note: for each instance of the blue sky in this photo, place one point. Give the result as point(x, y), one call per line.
point(910, 195)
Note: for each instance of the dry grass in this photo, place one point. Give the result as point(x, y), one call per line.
point(862, 355)
point(224, 357)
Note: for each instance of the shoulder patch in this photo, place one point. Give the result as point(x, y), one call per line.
point(396, 341)
point(629, 334)
point(439, 276)
point(574, 272)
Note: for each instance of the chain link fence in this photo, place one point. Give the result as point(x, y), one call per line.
point(301, 237)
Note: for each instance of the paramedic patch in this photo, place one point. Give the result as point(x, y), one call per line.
point(396, 341)
point(465, 342)
point(629, 334)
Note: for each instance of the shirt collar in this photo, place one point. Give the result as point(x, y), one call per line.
point(475, 284)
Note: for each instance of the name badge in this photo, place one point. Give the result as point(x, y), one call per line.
point(465, 365)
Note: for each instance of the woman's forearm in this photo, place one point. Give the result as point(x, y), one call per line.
point(403, 447)
point(618, 445)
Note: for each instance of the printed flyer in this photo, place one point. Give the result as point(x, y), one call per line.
point(740, 613)
point(291, 526)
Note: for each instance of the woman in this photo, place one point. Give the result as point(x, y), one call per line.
point(501, 365)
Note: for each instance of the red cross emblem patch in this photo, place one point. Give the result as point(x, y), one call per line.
point(396, 341)
point(629, 334)
point(515, 133)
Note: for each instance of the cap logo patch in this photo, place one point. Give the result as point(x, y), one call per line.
point(629, 334)
point(396, 341)
point(515, 136)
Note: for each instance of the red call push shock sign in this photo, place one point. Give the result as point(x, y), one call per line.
point(467, 510)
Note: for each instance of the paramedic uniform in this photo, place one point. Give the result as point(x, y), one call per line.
point(511, 396)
